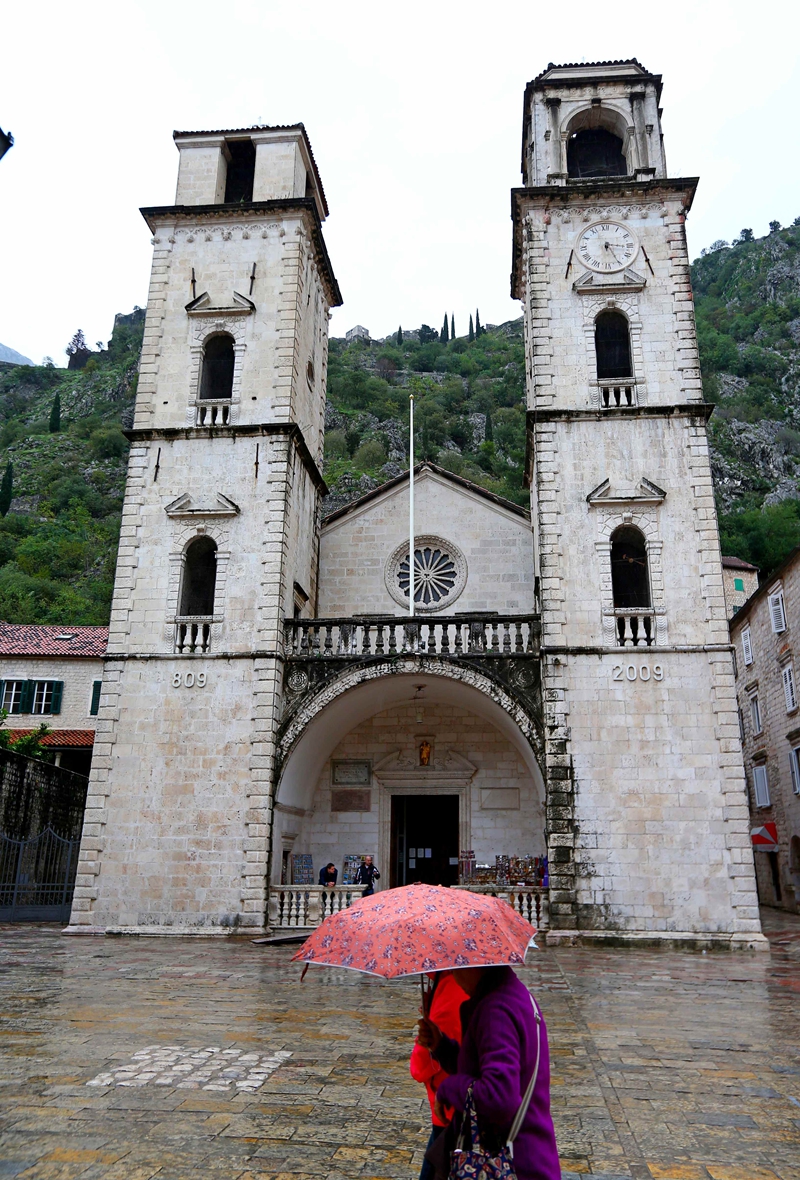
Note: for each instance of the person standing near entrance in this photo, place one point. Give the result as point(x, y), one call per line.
point(367, 874)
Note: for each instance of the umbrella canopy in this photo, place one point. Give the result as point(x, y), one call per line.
point(419, 928)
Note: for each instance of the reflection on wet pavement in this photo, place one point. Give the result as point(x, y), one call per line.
point(177, 1058)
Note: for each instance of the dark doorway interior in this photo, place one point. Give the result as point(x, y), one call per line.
point(425, 839)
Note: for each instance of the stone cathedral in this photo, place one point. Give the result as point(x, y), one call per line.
point(565, 686)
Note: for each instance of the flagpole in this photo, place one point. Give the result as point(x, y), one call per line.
point(411, 553)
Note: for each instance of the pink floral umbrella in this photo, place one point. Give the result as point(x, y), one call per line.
point(419, 928)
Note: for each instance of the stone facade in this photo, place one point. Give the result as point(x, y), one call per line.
point(78, 677)
point(763, 634)
point(647, 814)
point(493, 536)
point(614, 745)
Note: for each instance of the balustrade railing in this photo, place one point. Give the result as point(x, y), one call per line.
point(490, 635)
point(532, 901)
point(635, 628)
point(614, 393)
point(304, 907)
point(213, 413)
point(192, 636)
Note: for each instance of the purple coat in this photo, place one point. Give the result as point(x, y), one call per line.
point(496, 1057)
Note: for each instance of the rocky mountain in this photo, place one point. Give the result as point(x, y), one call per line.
point(11, 357)
point(61, 430)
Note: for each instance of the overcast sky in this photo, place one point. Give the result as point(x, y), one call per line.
point(414, 111)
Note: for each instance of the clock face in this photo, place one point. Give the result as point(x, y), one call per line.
point(607, 246)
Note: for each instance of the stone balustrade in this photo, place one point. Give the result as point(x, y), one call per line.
point(213, 413)
point(304, 907)
point(364, 636)
point(635, 627)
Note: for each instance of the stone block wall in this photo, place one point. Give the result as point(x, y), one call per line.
point(496, 543)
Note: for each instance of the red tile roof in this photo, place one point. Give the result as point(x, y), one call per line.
point(736, 563)
point(83, 738)
point(30, 640)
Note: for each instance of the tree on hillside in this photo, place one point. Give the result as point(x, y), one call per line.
point(427, 334)
point(400, 337)
point(452, 326)
point(55, 415)
point(745, 235)
point(444, 335)
point(77, 351)
point(471, 334)
point(6, 489)
point(489, 433)
point(478, 328)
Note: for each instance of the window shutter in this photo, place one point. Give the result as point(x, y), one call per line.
point(776, 612)
point(94, 708)
point(793, 767)
point(747, 646)
point(788, 688)
point(2, 692)
point(26, 698)
point(761, 786)
point(58, 692)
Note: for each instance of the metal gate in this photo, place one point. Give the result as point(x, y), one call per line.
point(37, 877)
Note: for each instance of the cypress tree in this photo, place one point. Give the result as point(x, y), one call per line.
point(399, 337)
point(478, 328)
point(489, 435)
point(444, 335)
point(471, 334)
point(452, 326)
point(55, 415)
point(6, 489)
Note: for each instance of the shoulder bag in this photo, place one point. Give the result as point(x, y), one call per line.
point(473, 1163)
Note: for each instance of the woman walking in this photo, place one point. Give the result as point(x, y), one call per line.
point(496, 1060)
point(444, 1010)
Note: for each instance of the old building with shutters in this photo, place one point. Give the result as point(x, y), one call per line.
point(563, 686)
point(763, 632)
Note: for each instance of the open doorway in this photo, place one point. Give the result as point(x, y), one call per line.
point(424, 839)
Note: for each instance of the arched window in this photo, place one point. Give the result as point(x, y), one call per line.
point(612, 344)
point(630, 583)
point(595, 152)
point(199, 579)
point(217, 380)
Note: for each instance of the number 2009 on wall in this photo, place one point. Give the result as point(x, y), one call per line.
point(634, 672)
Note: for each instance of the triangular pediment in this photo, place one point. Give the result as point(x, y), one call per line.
point(447, 766)
point(202, 306)
point(621, 492)
point(186, 505)
point(590, 284)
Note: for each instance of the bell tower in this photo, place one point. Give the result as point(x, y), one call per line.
point(647, 816)
point(218, 543)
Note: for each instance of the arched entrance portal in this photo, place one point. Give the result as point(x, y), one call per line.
point(412, 767)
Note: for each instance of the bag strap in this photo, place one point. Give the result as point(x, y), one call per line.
point(528, 1095)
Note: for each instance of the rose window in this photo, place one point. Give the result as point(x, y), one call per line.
point(440, 574)
point(434, 576)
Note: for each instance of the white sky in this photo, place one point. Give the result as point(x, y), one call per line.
point(414, 111)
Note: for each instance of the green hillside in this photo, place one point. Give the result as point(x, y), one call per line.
point(58, 540)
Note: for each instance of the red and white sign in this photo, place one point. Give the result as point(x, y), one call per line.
point(765, 837)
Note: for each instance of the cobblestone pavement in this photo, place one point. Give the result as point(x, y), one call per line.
point(176, 1058)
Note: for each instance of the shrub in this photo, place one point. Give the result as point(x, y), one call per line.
point(108, 443)
point(369, 454)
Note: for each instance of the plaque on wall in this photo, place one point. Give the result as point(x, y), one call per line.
point(351, 773)
point(351, 799)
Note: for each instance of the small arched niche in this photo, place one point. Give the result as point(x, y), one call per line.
point(199, 582)
point(630, 578)
point(612, 342)
point(216, 383)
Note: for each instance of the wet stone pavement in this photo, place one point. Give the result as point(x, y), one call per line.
point(177, 1058)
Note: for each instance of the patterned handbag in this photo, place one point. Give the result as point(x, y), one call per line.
point(473, 1163)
